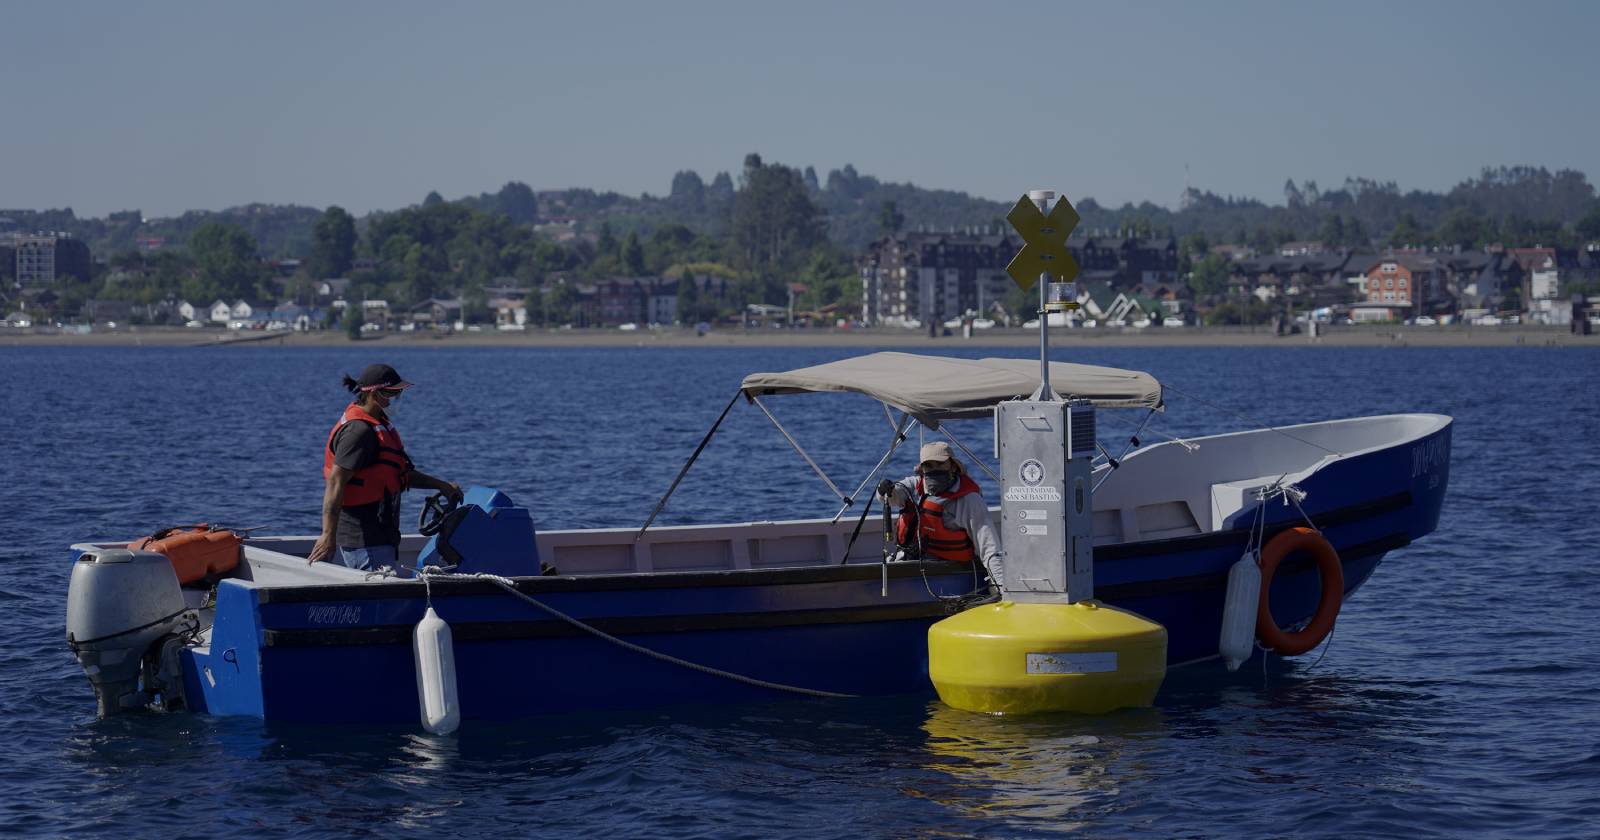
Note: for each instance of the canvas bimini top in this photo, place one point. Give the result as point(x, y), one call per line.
point(935, 388)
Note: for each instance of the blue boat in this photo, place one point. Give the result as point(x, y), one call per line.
point(560, 621)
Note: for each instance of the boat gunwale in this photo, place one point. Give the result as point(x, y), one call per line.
point(623, 581)
point(550, 628)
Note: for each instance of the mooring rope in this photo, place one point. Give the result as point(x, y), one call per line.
point(510, 586)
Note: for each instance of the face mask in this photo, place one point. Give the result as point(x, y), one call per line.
point(935, 482)
point(388, 404)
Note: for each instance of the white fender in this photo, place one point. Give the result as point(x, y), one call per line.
point(1239, 610)
point(436, 675)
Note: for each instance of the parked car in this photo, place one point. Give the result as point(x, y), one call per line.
point(1424, 321)
point(194, 324)
point(371, 327)
point(628, 327)
point(983, 324)
point(1487, 321)
point(237, 325)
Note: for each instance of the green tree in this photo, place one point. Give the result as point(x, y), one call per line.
point(1192, 248)
point(775, 224)
point(1210, 275)
point(632, 255)
point(1464, 228)
point(353, 321)
point(333, 244)
point(1332, 233)
point(606, 243)
point(688, 191)
point(1407, 233)
point(225, 257)
point(1355, 236)
point(1588, 227)
point(890, 219)
point(517, 201)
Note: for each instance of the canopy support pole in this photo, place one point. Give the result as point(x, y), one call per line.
point(687, 464)
point(1133, 440)
point(945, 427)
point(900, 430)
point(796, 444)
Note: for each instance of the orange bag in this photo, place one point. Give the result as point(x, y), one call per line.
point(195, 553)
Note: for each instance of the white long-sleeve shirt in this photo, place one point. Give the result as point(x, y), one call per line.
point(970, 514)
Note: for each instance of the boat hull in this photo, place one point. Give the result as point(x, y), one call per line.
point(342, 653)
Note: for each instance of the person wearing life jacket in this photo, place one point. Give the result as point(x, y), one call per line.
point(943, 515)
point(365, 469)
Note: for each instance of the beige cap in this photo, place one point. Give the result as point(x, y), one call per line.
point(937, 451)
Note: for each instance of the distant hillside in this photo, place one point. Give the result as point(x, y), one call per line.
point(279, 230)
point(1514, 205)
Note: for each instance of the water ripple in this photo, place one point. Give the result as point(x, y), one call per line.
point(1456, 699)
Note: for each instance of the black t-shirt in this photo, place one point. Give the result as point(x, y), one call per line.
point(355, 447)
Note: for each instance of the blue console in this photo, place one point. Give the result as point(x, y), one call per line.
point(486, 533)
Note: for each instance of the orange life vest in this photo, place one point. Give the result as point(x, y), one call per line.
point(195, 553)
point(939, 541)
point(386, 476)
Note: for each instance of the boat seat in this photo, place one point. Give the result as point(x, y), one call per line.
point(271, 568)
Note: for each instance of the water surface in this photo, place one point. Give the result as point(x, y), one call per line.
point(1456, 698)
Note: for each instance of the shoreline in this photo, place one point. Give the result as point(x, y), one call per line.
point(1347, 336)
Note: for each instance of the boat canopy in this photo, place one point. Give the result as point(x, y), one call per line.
point(935, 388)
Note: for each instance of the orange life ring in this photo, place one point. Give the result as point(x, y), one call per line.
point(1279, 547)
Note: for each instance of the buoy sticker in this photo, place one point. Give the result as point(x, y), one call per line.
point(1072, 663)
point(1047, 493)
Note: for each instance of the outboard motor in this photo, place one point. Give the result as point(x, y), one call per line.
point(124, 610)
point(486, 533)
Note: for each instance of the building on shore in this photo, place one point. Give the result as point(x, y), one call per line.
point(39, 258)
point(923, 277)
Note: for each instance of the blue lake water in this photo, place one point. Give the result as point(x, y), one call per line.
point(1458, 697)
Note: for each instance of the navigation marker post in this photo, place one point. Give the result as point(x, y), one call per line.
point(1044, 231)
point(1047, 645)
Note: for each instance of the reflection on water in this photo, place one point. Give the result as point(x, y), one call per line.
point(1047, 768)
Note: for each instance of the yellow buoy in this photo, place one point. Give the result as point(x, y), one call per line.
point(1011, 658)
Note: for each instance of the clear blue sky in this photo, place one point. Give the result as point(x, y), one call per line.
point(369, 105)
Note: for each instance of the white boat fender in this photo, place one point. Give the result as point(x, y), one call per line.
point(436, 675)
point(1239, 610)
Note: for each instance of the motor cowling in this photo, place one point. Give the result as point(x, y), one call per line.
point(122, 605)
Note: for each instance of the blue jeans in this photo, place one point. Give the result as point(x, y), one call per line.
point(371, 558)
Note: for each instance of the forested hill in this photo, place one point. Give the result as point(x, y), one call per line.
point(1520, 205)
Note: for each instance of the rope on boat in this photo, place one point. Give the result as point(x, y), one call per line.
point(1291, 494)
point(510, 586)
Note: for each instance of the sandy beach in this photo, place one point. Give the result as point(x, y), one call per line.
point(1346, 336)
